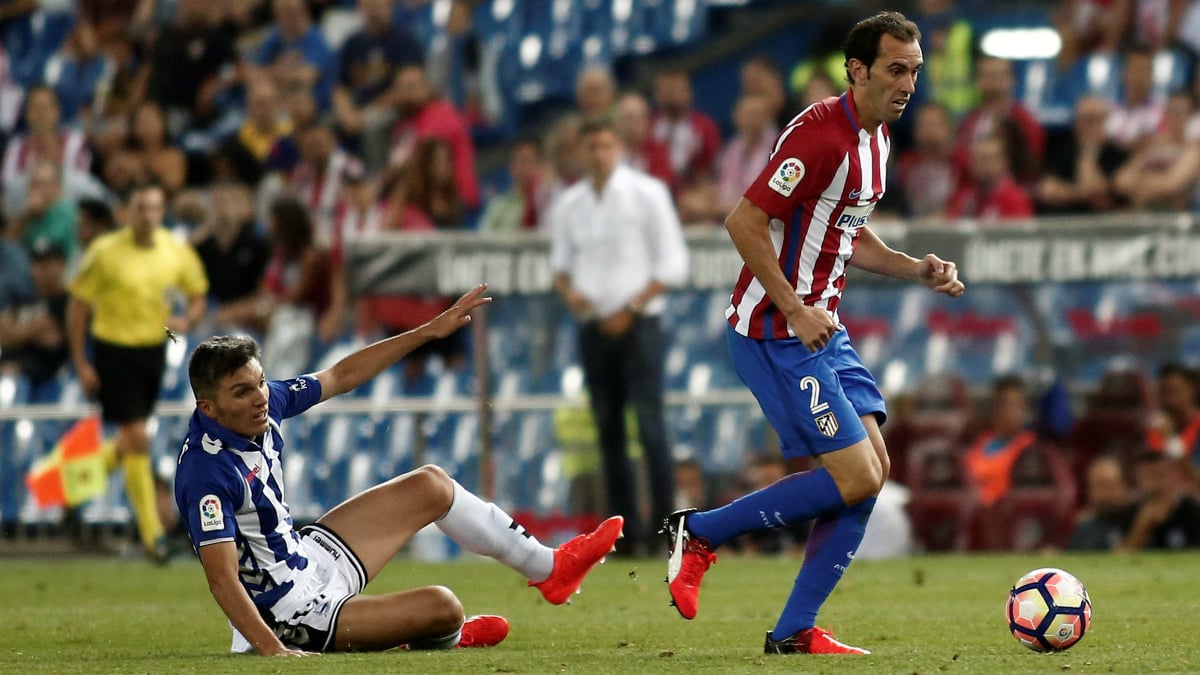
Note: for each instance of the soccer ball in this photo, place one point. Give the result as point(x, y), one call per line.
point(1048, 610)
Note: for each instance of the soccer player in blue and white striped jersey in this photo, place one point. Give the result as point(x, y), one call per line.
point(287, 592)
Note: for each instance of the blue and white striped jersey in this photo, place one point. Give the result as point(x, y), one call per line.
point(230, 488)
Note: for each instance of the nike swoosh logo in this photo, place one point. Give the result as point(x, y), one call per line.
point(850, 554)
point(855, 194)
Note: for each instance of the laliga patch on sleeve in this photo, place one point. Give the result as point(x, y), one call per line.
point(787, 176)
point(211, 518)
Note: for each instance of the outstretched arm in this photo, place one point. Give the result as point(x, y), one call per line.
point(873, 255)
point(372, 360)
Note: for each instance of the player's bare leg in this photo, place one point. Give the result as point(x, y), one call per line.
point(374, 622)
point(376, 523)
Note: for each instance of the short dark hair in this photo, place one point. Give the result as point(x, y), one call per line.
point(862, 42)
point(215, 359)
point(1008, 383)
point(97, 210)
point(145, 186)
point(597, 123)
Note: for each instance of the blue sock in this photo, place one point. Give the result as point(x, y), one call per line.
point(789, 500)
point(831, 547)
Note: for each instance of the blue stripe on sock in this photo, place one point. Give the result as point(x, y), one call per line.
point(790, 500)
point(831, 547)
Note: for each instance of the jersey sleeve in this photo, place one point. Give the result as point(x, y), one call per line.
point(793, 174)
point(208, 502)
point(86, 284)
point(292, 397)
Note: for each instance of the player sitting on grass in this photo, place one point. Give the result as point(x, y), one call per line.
point(287, 592)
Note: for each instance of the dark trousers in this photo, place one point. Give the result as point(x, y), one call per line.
point(623, 370)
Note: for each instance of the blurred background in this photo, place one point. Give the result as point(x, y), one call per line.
point(344, 168)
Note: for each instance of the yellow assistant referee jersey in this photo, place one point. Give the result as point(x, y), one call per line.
point(129, 287)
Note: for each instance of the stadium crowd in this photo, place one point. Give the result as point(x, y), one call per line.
point(280, 131)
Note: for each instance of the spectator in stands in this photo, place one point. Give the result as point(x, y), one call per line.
point(295, 53)
point(989, 192)
point(997, 104)
point(1164, 170)
point(46, 214)
point(44, 139)
point(926, 176)
point(1168, 515)
point(1081, 164)
point(760, 75)
point(428, 184)
point(298, 272)
point(424, 114)
point(192, 63)
point(1137, 114)
point(234, 255)
point(76, 72)
point(595, 91)
point(1104, 523)
point(148, 155)
point(639, 148)
point(522, 206)
point(367, 66)
point(1089, 26)
point(16, 282)
point(248, 150)
point(739, 163)
point(616, 247)
point(949, 40)
point(122, 298)
point(315, 181)
point(33, 334)
point(564, 153)
point(1175, 427)
point(992, 457)
point(691, 136)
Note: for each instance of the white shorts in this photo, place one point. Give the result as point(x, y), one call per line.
point(306, 618)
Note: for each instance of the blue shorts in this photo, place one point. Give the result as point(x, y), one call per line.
point(814, 400)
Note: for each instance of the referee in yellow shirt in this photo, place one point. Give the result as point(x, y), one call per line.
point(125, 287)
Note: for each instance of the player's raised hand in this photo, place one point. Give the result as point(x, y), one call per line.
point(940, 275)
point(814, 326)
point(459, 313)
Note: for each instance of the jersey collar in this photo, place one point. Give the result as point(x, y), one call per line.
point(214, 436)
point(851, 110)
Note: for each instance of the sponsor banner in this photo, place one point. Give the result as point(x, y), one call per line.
point(1047, 251)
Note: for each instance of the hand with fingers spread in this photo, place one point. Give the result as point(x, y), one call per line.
point(940, 275)
point(459, 314)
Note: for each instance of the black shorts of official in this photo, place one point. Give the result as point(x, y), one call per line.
point(130, 380)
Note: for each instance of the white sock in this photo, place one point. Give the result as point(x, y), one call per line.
point(485, 529)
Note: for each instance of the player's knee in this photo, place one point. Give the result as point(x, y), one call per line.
point(445, 612)
point(437, 485)
point(865, 483)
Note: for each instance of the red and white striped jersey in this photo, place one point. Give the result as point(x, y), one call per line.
point(819, 188)
point(20, 155)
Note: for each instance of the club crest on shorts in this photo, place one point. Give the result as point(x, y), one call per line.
point(827, 424)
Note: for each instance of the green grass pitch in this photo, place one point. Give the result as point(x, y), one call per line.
point(921, 615)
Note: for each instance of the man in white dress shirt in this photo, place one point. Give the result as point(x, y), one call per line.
point(616, 247)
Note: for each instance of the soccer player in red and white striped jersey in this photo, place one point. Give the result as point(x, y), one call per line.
point(802, 222)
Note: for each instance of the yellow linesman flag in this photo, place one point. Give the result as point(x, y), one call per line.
point(74, 471)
